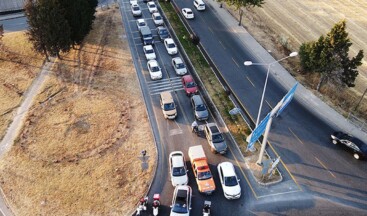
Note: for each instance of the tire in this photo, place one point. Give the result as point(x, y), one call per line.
point(356, 156)
point(334, 142)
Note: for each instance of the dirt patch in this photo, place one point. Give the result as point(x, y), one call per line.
point(19, 65)
point(78, 153)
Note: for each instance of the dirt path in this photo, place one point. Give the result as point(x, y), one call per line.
point(13, 130)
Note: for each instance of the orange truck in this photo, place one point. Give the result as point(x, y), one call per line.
point(202, 173)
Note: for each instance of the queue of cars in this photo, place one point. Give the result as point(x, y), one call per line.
point(181, 201)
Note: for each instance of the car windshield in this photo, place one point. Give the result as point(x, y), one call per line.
point(149, 51)
point(200, 107)
point(180, 205)
point(152, 6)
point(147, 36)
point(171, 45)
point(169, 106)
point(204, 175)
point(178, 171)
point(189, 12)
point(230, 181)
point(216, 138)
point(190, 85)
point(136, 8)
point(158, 18)
point(163, 31)
point(155, 69)
point(142, 24)
point(180, 66)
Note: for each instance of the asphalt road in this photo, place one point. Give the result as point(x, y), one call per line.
point(18, 23)
point(328, 179)
point(298, 136)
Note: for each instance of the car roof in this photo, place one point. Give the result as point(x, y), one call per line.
point(156, 14)
point(160, 27)
point(140, 20)
point(166, 98)
point(151, 3)
point(228, 169)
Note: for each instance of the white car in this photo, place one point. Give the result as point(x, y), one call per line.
point(133, 2)
point(178, 170)
point(140, 23)
point(229, 180)
point(187, 12)
point(157, 18)
point(170, 46)
point(152, 7)
point(135, 9)
point(149, 52)
point(179, 66)
point(181, 201)
point(199, 5)
point(154, 70)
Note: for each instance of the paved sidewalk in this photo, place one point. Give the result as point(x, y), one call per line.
point(303, 95)
point(11, 16)
point(15, 126)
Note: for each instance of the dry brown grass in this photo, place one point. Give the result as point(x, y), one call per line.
point(19, 65)
point(78, 151)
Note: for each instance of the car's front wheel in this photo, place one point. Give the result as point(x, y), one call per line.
point(356, 156)
point(334, 142)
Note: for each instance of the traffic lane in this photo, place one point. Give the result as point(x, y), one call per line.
point(182, 142)
point(16, 24)
point(315, 162)
point(226, 60)
point(274, 93)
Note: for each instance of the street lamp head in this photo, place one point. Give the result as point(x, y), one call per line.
point(247, 63)
point(293, 54)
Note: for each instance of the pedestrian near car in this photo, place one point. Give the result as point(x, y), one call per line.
point(194, 126)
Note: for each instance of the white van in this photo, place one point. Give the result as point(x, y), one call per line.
point(199, 4)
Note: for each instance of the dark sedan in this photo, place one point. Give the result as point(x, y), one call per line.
point(162, 33)
point(355, 145)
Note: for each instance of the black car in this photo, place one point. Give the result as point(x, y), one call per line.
point(162, 33)
point(357, 146)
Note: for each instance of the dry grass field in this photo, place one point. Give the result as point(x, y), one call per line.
point(19, 65)
point(78, 152)
point(283, 25)
point(296, 22)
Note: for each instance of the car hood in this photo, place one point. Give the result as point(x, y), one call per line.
point(232, 191)
point(202, 114)
point(220, 146)
point(206, 185)
point(179, 180)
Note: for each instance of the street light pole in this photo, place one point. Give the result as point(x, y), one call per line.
point(248, 63)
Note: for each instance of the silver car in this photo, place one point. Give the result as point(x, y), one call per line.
point(179, 66)
point(215, 138)
point(200, 111)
